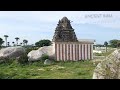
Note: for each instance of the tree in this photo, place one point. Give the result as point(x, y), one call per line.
point(42, 43)
point(6, 36)
point(25, 42)
point(8, 44)
point(17, 40)
point(13, 43)
point(114, 43)
point(1, 42)
point(118, 44)
point(106, 44)
point(21, 44)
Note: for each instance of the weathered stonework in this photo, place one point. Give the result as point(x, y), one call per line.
point(64, 32)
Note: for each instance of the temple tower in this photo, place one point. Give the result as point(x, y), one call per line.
point(64, 31)
point(67, 46)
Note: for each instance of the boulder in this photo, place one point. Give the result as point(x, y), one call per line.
point(47, 62)
point(36, 55)
point(109, 68)
point(12, 52)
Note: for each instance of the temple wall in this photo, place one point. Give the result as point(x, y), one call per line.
point(73, 51)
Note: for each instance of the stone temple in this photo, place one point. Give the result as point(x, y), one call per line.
point(64, 31)
point(67, 46)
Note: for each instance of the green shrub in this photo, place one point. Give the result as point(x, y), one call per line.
point(7, 60)
point(44, 57)
point(22, 59)
point(28, 50)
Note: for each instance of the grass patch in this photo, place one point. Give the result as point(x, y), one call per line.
point(37, 70)
point(104, 53)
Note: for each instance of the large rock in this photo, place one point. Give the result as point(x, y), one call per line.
point(109, 68)
point(48, 62)
point(35, 55)
point(12, 52)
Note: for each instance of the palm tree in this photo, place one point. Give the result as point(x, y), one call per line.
point(13, 43)
point(17, 40)
point(8, 44)
point(6, 36)
point(106, 44)
point(21, 44)
point(25, 41)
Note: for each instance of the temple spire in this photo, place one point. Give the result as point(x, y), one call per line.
point(64, 31)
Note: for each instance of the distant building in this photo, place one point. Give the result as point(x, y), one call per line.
point(67, 46)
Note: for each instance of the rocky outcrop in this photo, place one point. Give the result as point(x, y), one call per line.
point(108, 68)
point(36, 55)
point(12, 52)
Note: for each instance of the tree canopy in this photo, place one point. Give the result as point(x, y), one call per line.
point(42, 43)
point(114, 43)
point(105, 43)
point(25, 41)
point(1, 41)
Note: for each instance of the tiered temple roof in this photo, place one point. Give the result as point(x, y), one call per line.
point(64, 31)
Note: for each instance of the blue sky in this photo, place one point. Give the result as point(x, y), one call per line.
point(36, 25)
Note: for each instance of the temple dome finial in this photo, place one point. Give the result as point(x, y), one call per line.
point(64, 19)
